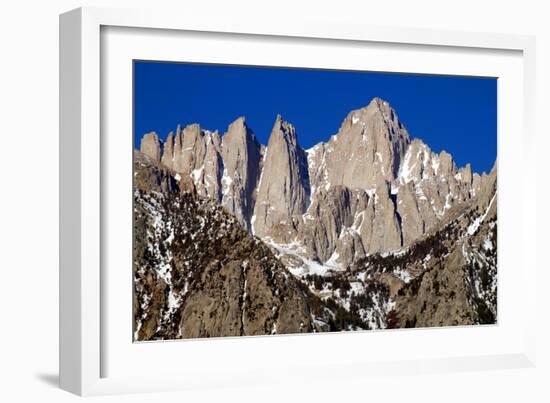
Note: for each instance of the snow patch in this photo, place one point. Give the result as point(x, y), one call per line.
point(420, 193)
point(226, 183)
point(263, 164)
point(298, 251)
point(402, 274)
point(333, 260)
point(358, 222)
point(394, 189)
point(405, 172)
point(435, 164)
point(196, 174)
point(472, 228)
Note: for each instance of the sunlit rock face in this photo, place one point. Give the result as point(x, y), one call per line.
point(368, 189)
point(369, 229)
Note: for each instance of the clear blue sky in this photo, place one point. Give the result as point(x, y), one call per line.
point(456, 114)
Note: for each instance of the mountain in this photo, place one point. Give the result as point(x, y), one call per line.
point(241, 156)
point(370, 229)
point(198, 273)
point(447, 277)
point(283, 188)
point(368, 189)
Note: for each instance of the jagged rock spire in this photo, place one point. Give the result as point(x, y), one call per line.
point(151, 145)
point(241, 155)
point(368, 148)
point(283, 190)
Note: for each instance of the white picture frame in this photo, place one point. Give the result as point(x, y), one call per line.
point(84, 341)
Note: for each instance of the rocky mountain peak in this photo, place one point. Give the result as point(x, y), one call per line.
point(168, 152)
point(240, 122)
point(371, 227)
point(283, 131)
point(241, 154)
point(380, 112)
point(239, 132)
point(383, 106)
point(332, 200)
point(150, 146)
point(283, 189)
point(367, 150)
point(420, 162)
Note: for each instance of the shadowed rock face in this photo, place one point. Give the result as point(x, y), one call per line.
point(197, 273)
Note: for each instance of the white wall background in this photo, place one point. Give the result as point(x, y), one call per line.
point(29, 201)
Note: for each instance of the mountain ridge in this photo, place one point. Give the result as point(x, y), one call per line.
point(198, 273)
point(368, 189)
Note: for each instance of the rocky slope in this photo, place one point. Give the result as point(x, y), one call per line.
point(371, 229)
point(447, 277)
point(198, 273)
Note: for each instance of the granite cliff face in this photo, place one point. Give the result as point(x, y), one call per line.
point(368, 189)
point(446, 278)
point(370, 229)
point(367, 150)
point(150, 146)
point(283, 190)
point(241, 156)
